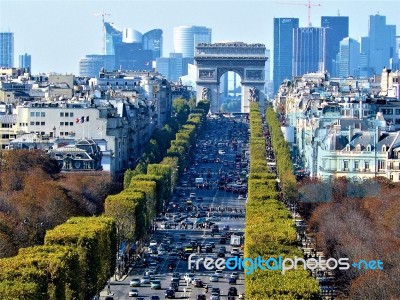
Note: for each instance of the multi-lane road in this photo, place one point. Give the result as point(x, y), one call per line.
point(220, 158)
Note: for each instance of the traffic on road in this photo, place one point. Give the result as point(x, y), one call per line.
point(205, 219)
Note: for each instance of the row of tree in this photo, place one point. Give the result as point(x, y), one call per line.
point(146, 194)
point(270, 231)
point(284, 163)
point(78, 256)
point(75, 261)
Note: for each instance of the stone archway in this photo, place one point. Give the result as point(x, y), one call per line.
point(247, 60)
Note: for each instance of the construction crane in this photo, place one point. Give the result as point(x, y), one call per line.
point(103, 14)
point(309, 4)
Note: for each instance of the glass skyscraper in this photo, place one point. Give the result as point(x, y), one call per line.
point(113, 38)
point(153, 40)
point(337, 28)
point(25, 62)
point(6, 49)
point(348, 58)
point(283, 51)
point(382, 43)
point(308, 50)
point(186, 39)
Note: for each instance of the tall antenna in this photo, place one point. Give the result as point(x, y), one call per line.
point(103, 14)
point(309, 4)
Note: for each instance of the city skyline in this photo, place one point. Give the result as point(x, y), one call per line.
point(73, 25)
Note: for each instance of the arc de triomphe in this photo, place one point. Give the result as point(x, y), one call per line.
point(247, 60)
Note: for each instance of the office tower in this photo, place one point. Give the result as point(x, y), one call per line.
point(348, 58)
point(153, 40)
point(382, 43)
point(308, 50)
point(174, 66)
point(6, 49)
point(337, 28)
point(25, 62)
point(283, 49)
point(113, 37)
point(91, 65)
point(186, 39)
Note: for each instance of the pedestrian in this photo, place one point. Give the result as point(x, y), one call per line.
point(108, 288)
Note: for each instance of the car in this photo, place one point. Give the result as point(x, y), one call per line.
point(109, 298)
point(235, 275)
point(188, 277)
point(208, 248)
point(214, 278)
point(241, 197)
point(155, 284)
point(222, 240)
point(198, 283)
point(134, 282)
point(232, 280)
point(153, 243)
point(169, 293)
point(174, 286)
point(176, 275)
point(219, 273)
point(215, 290)
point(133, 292)
point(215, 297)
point(221, 254)
point(145, 279)
point(154, 298)
point(201, 297)
point(232, 291)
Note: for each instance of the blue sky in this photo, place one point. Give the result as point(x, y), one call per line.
point(59, 33)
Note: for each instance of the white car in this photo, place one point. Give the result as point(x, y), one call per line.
point(133, 293)
point(145, 280)
point(214, 278)
point(219, 273)
point(188, 277)
point(153, 243)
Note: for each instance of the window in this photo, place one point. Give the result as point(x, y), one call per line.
point(66, 133)
point(66, 123)
point(356, 165)
point(368, 147)
point(61, 123)
point(71, 123)
point(37, 114)
point(391, 177)
point(42, 114)
point(390, 165)
point(397, 111)
point(38, 123)
point(67, 114)
point(345, 165)
point(61, 114)
point(381, 165)
point(71, 114)
point(67, 164)
point(384, 148)
point(32, 113)
point(366, 165)
point(61, 133)
point(32, 123)
point(42, 123)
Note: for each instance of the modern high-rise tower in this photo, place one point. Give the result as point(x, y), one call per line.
point(348, 58)
point(186, 39)
point(337, 28)
point(153, 40)
point(7, 49)
point(25, 62)
point(308, 50)
point(113, 37)
point(382, 43)
point(283, 50)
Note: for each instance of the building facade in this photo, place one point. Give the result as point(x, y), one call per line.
point(283, 49)
point(25, 62)
point(186, 38)
point(308, 50)
point(91, 65)
point(6, 49)
point(337, 28)
point(348, 58)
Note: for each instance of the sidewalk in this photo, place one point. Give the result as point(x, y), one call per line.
point(115, 279)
